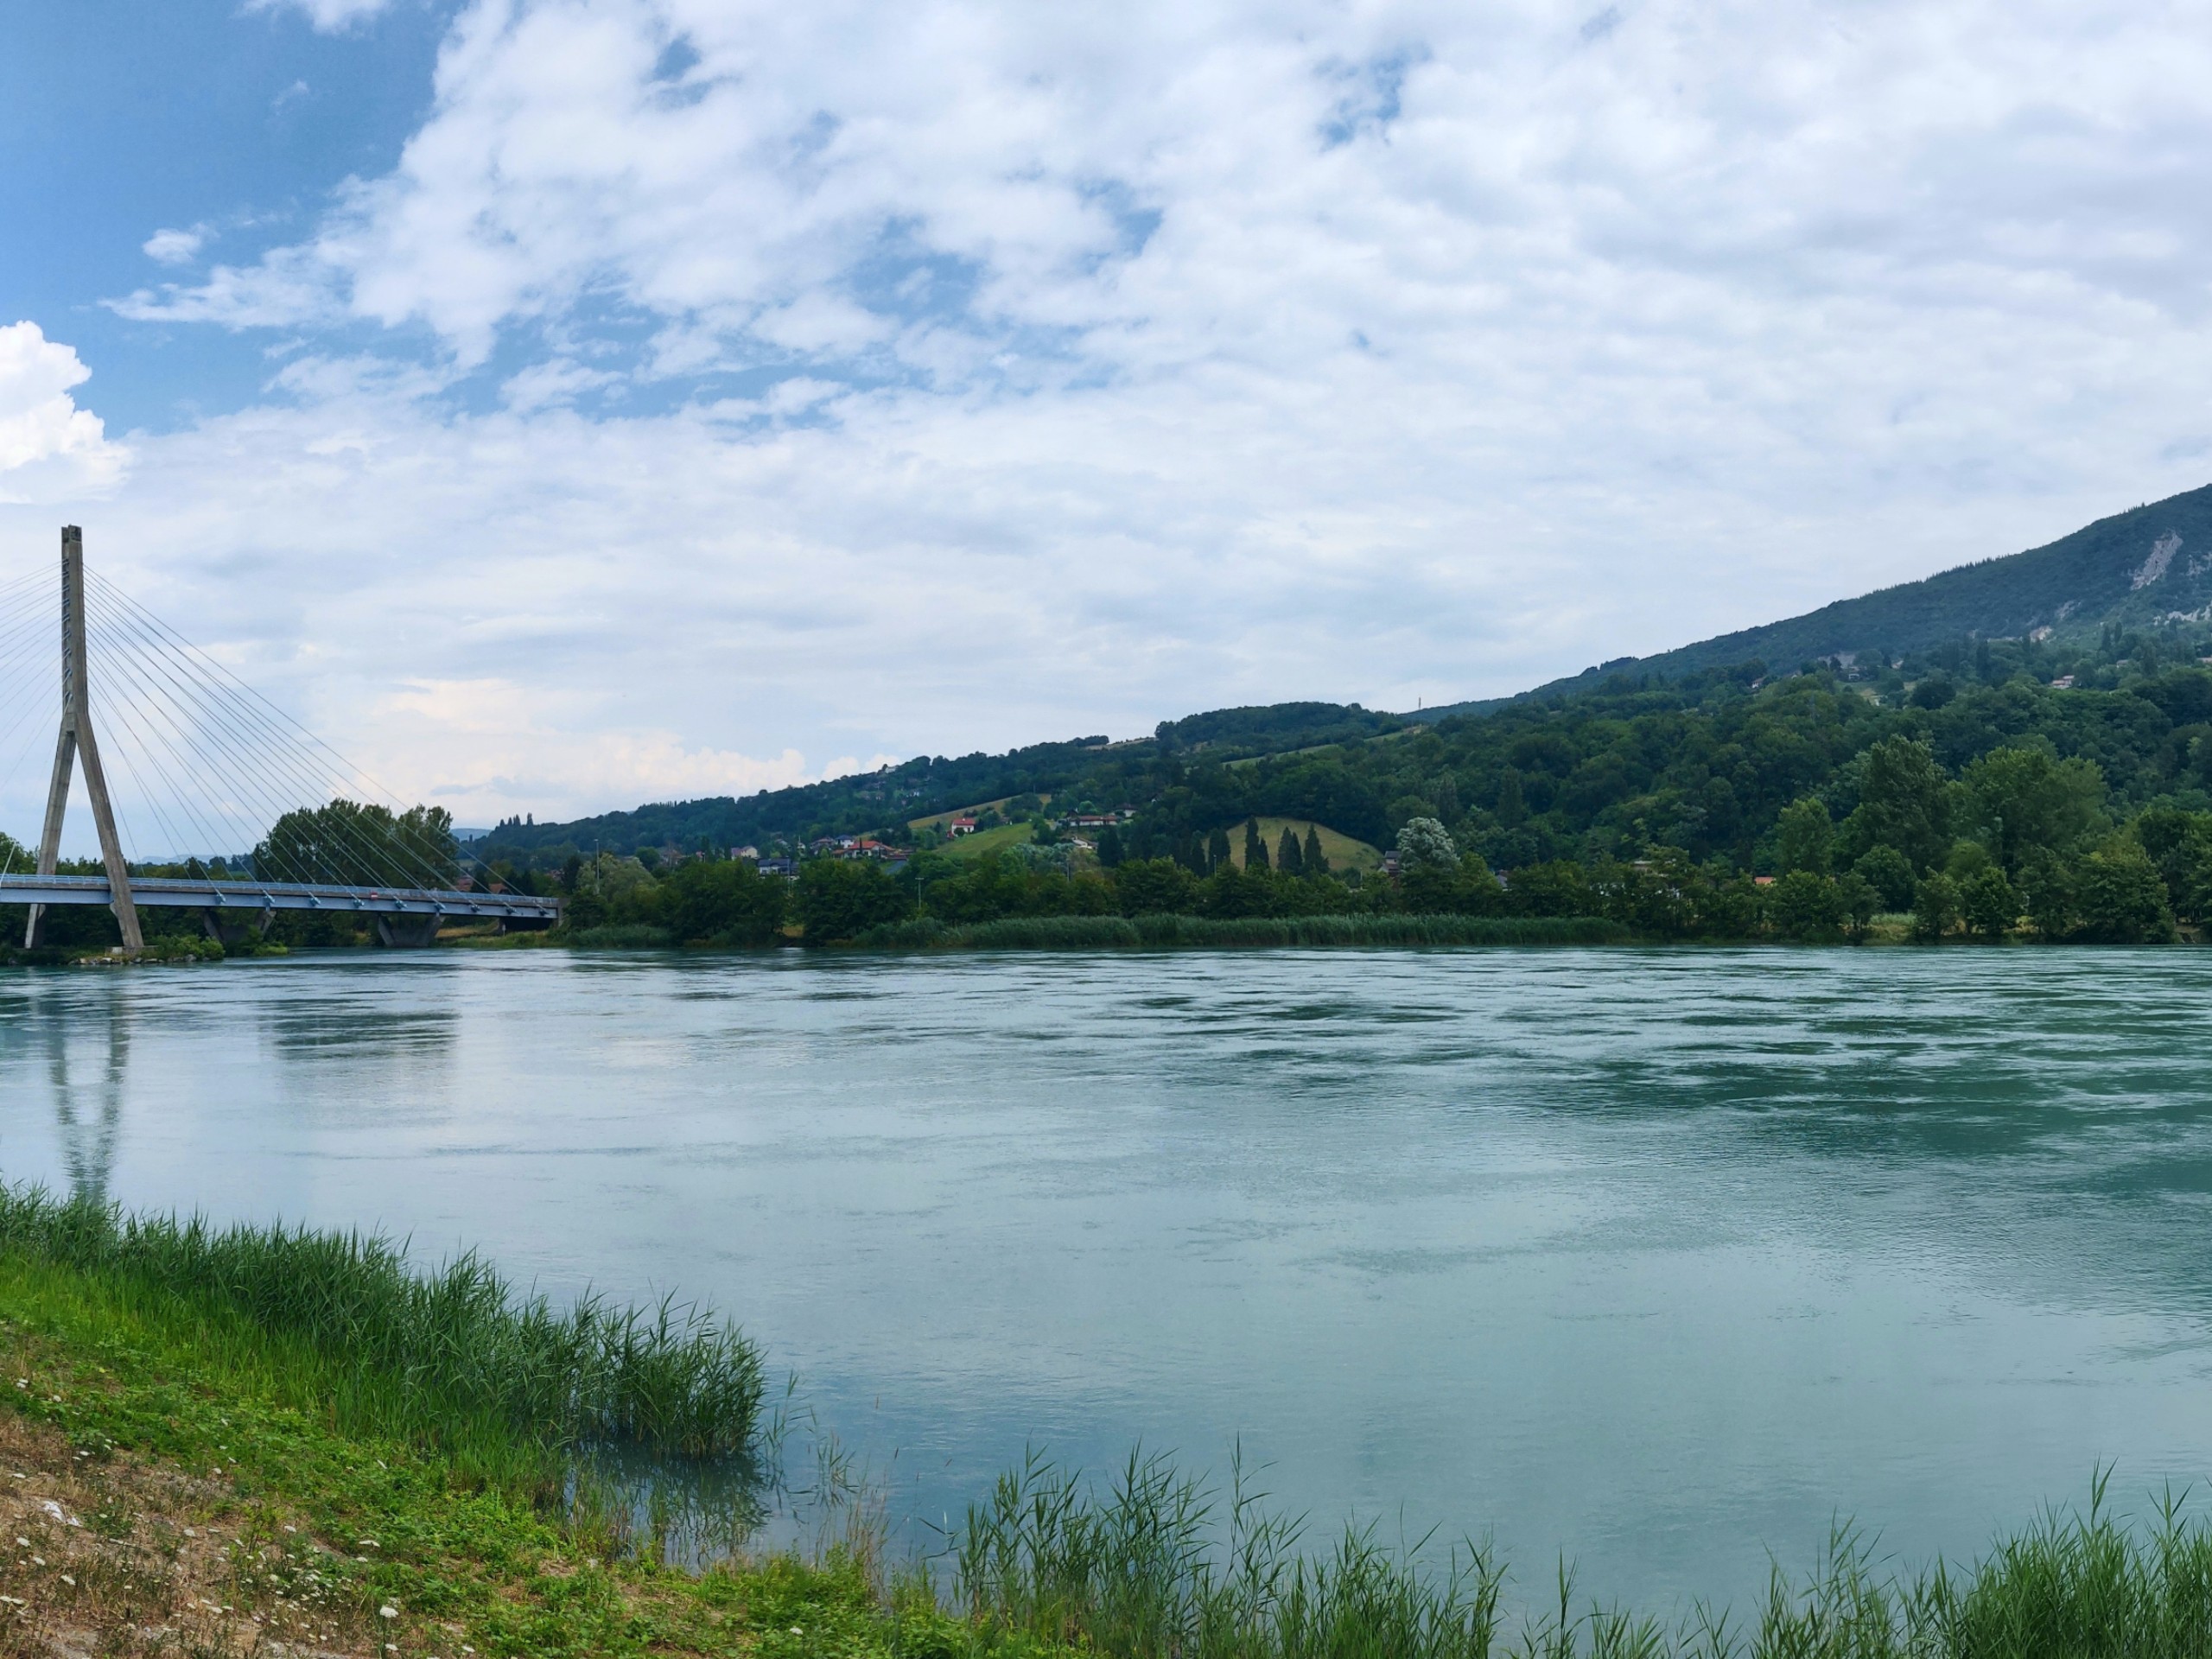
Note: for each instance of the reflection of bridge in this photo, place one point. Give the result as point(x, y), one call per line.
point(182, 707)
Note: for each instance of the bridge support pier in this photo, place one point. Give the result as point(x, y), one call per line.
point(77, 743)
point(228, 927)
point(408, 933)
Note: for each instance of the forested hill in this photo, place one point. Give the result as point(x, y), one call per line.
point(2149, 566)
point(1615, 757)
point(1111, 774)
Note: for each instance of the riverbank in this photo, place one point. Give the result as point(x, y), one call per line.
point(169, 1485)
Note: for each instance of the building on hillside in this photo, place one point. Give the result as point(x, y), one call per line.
point(751, 854)
point(961, 827)
point(783, 867)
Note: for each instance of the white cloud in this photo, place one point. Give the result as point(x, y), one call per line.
point(173, 247)
point(327, 15)
point(50, 449)
point(1100, 366)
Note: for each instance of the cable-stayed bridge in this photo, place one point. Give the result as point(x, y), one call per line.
point(244, 811)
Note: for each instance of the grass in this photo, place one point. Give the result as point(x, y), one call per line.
point(504, 1385)
point(938, 821)
point(1161, 932)
point(984, 842)
point(1344, 851)
point(177, 1490)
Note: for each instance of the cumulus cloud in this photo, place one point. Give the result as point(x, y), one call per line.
point(49, 448)
point(953, 374)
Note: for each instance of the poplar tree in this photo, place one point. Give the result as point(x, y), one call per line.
point(1255, 845)
point(1288, 857)
point(1317, 862)
point(1216, 851)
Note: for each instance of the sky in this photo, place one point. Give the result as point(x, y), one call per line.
point(559, 405)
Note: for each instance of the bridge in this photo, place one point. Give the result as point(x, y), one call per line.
point(247, 770)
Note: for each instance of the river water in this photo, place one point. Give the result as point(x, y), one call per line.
point(1659, 1261)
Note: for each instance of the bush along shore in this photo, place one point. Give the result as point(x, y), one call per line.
point(276, 1442)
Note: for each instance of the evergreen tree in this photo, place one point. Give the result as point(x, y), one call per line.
point(1512, 805)
point(1216, 851)
point(1447, 798)
point(1290, 858)
point(1316, 861)
point(1255, 845)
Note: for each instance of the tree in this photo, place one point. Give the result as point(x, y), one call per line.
point(1803, 835)
point(2119, 898)
point(2022, 800)
point(2180, 844)
point(1904, 803)
point(1861, 904)
point(1154, 887)
point(1216, 851)
point(1255, 845)
point(1934, 908)
point(1110, 846)
point(841, 899)
point(2046, 888)
point(1316, 861)
point(724, 901)
point(349, 844)
point(1805, 905)
point(1989, 903)
point(1424, 840)
point(1512, 806)
point(1290, 857)
point(1887, 871)
point(1446, 792)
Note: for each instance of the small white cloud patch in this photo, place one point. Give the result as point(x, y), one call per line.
point(173, 247)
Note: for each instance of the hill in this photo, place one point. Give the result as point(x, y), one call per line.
point(2149, 567)
point(1684, 748)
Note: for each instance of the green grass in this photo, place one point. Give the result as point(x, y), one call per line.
point(452, 1358)
point(1202, 932)
point(214, 1351)
point(1344, 851)
point(984, 842)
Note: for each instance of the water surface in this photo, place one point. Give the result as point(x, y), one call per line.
point(1660, 1259)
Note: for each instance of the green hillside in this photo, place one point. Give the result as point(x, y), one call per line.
point(2147, 568)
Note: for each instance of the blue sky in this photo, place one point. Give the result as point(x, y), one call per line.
point(562, 404)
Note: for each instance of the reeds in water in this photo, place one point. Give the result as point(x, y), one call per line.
point(1148, 1570)
point(452, 1355)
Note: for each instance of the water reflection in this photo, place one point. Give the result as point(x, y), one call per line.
point(88, 1110)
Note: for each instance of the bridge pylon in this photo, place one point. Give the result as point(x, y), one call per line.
point(76, 739)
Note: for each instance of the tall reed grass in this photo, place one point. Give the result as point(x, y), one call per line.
point(1148, 1569)
point(453, 1356)
point(1163, 933)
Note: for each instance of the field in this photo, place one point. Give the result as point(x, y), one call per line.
point(1343, 852)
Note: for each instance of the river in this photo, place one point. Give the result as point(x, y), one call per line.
point(1660, 1261)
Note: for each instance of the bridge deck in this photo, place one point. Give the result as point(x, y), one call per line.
point(157, 892)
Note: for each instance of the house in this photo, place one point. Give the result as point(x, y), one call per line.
point(961, 827)
point(751, 853)
point(1087, 821)
point(783, 867)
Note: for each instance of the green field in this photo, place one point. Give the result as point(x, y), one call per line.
point(1345, 853)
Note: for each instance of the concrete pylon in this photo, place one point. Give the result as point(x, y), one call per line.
point(76, 739)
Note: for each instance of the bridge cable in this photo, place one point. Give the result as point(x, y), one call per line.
point(268, 791)
point(249, 727)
